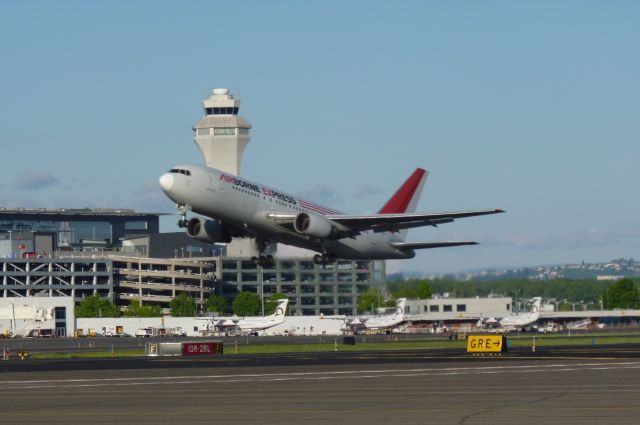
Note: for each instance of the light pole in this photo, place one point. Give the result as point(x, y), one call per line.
point(10, 244)
point(261, 282)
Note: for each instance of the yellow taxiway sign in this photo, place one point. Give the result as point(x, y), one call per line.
point(486, 344)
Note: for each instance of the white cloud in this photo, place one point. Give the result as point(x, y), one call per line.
point(323, 195)
point(34, 180)
point(367, 190)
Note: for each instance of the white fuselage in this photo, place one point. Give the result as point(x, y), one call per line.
point(259, 323)
point(251, 207)
point(390, 320)
point(522, 320)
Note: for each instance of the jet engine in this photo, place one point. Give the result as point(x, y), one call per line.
point(209, 231)
point(313, 225)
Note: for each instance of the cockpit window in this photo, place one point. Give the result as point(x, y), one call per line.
point(180, 171)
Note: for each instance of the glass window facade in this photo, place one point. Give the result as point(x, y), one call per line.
point(67, 232)
point(223, 111)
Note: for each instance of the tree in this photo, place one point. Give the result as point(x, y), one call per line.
point(565, 306)
point(573, 290)
point(622, 294)
point(369, 300)
point(271, 303)
point(216, 303)
point(136, 309)
point(183, 306)
point(96, 306)
point(246, 304)
point(419, 289)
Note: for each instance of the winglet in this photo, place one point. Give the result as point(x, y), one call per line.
point(406, 198)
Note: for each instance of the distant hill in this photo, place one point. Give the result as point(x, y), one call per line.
point(611, 270)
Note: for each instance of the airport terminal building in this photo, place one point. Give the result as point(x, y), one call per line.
point(40, 230)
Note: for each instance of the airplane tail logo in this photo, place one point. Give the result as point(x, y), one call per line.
point(535, 308)
point(281, 308)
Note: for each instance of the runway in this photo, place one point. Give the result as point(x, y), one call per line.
point(360, 388)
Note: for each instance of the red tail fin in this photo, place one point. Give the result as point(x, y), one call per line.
point(406, 198)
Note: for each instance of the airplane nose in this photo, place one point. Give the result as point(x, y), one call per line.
point(166, 182)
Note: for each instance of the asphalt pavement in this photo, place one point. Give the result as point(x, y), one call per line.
point(585, 385)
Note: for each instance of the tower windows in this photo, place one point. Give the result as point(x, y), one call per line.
point(222, 111)
point(224, 131)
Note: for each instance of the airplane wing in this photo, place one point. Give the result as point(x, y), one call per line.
point(394, 222)
point(352, 225)
point(405, 246)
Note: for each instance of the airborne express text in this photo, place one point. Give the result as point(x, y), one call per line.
point(258, 189)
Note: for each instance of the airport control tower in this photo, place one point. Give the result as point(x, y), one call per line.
point(222, 134)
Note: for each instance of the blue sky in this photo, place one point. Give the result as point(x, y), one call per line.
point(527, 106)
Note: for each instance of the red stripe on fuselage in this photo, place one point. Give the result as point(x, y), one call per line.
point(402, 198)
point(316, 208)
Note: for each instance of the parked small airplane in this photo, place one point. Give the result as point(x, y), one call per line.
point(241, 208)
point(518, 321)
point(255, 324)
point(388, 321)
point(383, 322)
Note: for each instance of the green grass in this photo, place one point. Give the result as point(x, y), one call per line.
point(420, 343)
point(86, 355)
point(563, 340)
point(327, 347)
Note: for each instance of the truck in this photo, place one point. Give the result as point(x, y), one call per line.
point(177, 331)
point(144, 332)
point(113, 331)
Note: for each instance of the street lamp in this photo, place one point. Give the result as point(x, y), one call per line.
point(261, 283)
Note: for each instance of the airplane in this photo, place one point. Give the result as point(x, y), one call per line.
point(388, 321)
point(255, 324)
point(519, 321)
point(238, 207)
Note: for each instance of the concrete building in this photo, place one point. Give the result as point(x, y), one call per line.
point(56, 277)
point(222, 134)
point(457, 314)
point(167, 245)
point(44, 229)
point(312, 289)
point(158, 281)
point(458, 308)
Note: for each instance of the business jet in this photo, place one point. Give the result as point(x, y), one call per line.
point(238, 207)
point(519, 321)
point(255, 324)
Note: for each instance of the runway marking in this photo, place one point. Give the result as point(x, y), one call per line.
point(142, 412)
point(316, 375)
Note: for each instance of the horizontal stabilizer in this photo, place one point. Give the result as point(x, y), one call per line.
point(427, 245)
